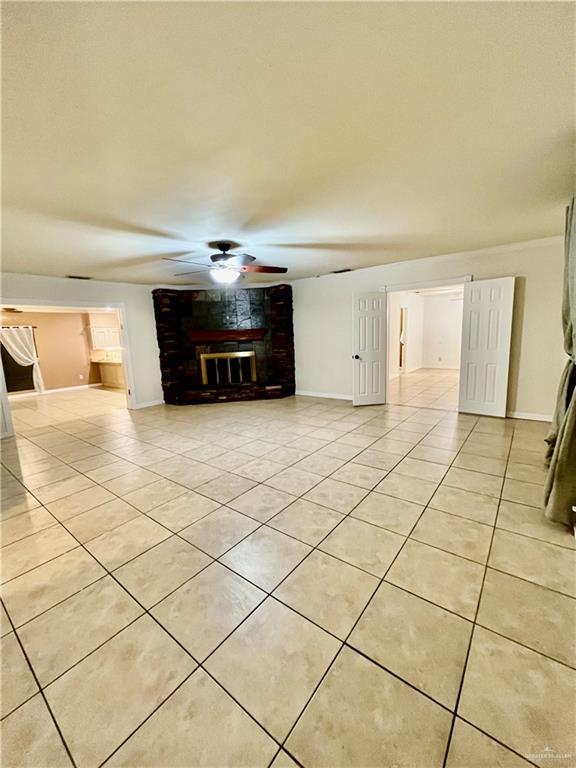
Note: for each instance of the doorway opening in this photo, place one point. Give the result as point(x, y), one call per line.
point(79, 353)
point(424, 343)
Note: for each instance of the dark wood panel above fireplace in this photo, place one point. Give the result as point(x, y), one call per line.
point(194, 324)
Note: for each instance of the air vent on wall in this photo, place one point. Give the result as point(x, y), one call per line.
point(78, 277)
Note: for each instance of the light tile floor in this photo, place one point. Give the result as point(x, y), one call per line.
point(294, 582)
point(425, 388)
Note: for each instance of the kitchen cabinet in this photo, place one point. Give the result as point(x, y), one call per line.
point(105, 338)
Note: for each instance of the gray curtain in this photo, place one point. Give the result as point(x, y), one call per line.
point(560, 489)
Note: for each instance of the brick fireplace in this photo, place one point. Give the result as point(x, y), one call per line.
point(225, 345)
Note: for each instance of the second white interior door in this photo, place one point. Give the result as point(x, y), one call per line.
point(486, 336)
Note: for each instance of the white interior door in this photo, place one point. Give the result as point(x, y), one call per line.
point(486, 332)
point(369, 353)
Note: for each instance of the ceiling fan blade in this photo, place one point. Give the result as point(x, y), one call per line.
point(263, 269)
point(194, 271)
point(174, 255)
point(241, 259)
point(186, 261)
point(349, 247)
point(197, 263)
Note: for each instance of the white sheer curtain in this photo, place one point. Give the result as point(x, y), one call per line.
point(19, 341)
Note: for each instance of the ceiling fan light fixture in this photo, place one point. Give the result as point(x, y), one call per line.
point(225, 275)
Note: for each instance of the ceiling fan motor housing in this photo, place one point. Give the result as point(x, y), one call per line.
point(223, 246)
point(235, 259)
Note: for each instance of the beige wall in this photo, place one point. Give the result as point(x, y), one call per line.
point(323, 317)
point(62, 341)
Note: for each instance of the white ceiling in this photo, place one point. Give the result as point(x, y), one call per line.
point(320, 136)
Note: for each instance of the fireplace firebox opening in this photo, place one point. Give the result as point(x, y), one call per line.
point(226, 368)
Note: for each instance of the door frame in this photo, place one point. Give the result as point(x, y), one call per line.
point(393, 287)
point(87, 306)
point(402, 341)
point(400, 287)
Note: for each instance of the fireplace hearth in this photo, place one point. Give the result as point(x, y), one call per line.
point(225, 344)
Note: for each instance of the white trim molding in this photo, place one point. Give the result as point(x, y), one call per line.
point(423, 284)
point(137, 406)
point(529, 416)
point(304, 393)
point(33, 393)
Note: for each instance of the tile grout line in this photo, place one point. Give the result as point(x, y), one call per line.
point(165, 630)
point(62, 522)
point(348, 514)
point(345, 642)
point(468, 651)
point(40, 691)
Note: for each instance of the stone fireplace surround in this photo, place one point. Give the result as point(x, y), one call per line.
point(194, 322)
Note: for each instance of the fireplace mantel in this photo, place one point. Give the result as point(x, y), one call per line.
point(199, 336)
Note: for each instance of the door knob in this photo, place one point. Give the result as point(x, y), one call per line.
point(356, 357)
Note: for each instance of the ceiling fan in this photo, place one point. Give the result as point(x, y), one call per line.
point(227, 267)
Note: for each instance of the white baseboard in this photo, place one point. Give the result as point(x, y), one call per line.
point(305, 393)
point(510, 415)
point(529, 416)
point(19, 396)
point(137, 406)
